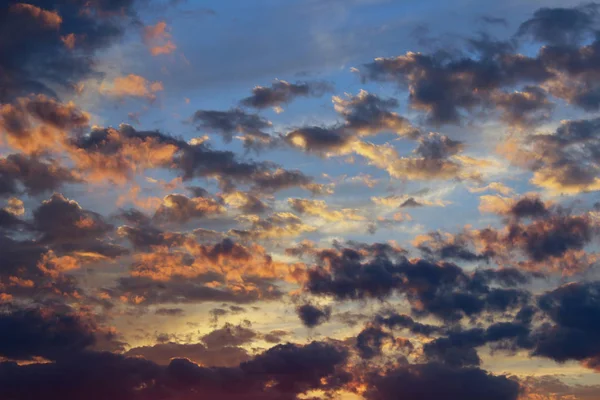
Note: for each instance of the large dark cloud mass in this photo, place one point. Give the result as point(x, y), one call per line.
point(49, 46)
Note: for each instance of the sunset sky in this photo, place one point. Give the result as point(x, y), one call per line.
point(299, 199)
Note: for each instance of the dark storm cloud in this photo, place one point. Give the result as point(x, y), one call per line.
point(561, 26)
point(94, 376)
point(20, 173)
point(312, 316)
point(35, 53)
point(458, 348)
point(435, 381)
point(282, 92)
point(296, 369)
point(370, 341)
point(433, 288)
point(574, 333)
point(27, 333)
point(281, 372)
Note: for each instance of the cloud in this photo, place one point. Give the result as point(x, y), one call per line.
point(38, 59)
point(445, 88)
point(312, 316)
point(440, 289)
point(282, 93)
point(318, 208)
point(158, 39)
point(245, 202)
point(429, 381)
point(131, 86)
point(364, 114)
point(30, 333)
point(118, 154)
point(61, 220)
point(573, 334)
point(181, 209)
point(24, 174)
point(561, 26)
point(251, 127)
point(277, 225)
point(198, 353)
point(525, 207)
point(39, 123)
point(564, 161)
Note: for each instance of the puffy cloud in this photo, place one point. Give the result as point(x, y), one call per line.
point(561, 26)
point(245, 202)
point(565, 161)
point(573, 335)
point(368, 114)
point(158, 39)
point(281, 93)
point(430, 381)
point(312, 316)
point(61, 220)
point(118, 154)
point(251, 127)
point(180, 208)
point(38, 58)
point(364, 114)
point(432, 288)
point(446, 88)
point(30, 333)
point(131, 86)
point(524, 108)
point(20, 173)
point(414, 168)
point(39, 123)
point(525, 207)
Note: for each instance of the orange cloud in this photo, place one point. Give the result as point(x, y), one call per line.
point(39, 123)
point(158, 39)
point(49, 19)
point(132, 86)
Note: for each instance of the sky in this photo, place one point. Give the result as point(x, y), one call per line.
point(299, 200)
